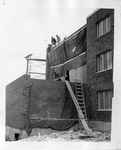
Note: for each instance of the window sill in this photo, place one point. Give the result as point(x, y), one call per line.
point(102, 35)
point(104, 70)
point(104, 110)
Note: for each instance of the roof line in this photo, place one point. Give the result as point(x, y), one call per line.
point(93, 12)
point(76, 31)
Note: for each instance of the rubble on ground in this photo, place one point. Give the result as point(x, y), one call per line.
point(71, 136)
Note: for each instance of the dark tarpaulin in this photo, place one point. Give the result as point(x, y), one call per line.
point(76, 44)
point(62, 70)
point(57, 56)
point(51, 106)
point(69, 49)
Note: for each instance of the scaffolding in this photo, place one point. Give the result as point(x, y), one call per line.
point(34, 67)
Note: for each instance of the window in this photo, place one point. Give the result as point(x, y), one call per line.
point(104, 26)
point(105, 100)
point(104, 61)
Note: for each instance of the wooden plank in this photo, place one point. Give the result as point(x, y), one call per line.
point(32, 59)
point(80, 114)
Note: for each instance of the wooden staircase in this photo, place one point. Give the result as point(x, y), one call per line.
point(80, 97)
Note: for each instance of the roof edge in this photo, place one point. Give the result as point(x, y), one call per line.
point(93, 12)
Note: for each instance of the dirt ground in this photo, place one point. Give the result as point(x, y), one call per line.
point(71, 136)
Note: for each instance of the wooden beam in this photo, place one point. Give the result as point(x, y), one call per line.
point(32, 59)
point(36, 73)
point(60, 119)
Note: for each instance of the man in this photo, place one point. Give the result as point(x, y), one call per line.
point(58, 39)
point(53, 41)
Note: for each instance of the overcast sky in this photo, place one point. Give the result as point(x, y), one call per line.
point(28, 26)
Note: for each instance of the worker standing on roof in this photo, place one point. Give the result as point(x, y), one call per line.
point(53, 41)
point(49, 48)
point(58, 39)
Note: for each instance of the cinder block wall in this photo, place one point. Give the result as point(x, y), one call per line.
point(17, 96)
point(95, 46)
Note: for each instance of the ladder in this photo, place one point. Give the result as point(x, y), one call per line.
point(80, 114)
point(80, 97)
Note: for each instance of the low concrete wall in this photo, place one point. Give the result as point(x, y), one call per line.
point(100, 126)
point(10, 133)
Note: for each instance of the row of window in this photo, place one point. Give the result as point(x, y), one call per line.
point(104, 62)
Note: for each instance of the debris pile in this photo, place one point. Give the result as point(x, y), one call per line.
point(71, 136)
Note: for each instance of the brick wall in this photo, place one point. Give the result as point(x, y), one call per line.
point(95, 46)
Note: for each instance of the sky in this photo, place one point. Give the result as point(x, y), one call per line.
point(27, 28)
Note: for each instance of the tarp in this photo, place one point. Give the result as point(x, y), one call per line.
point(51, 106)
point(32, 103)
point(57, 56)
point(68, 49)
point(76, 44)
point(60, 71)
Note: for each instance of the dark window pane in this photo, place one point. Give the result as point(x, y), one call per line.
point(107, 99)
point(100, 62)
point(105, 61)
point(104, 26)
point(109, 60)
point(100, 94)
point(110, 99)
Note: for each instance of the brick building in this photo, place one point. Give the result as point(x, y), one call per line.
point(100, 45)
point(87, 55)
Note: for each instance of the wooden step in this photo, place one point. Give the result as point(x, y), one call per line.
point(82, 107)
point(78, 92)
point(78, 87)
point(81, 103)
point(80, 100)
point(77, 83)
point(80, 97)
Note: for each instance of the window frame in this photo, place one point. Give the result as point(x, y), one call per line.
point(100, 58)
point(100, 26)
point(110, 94)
